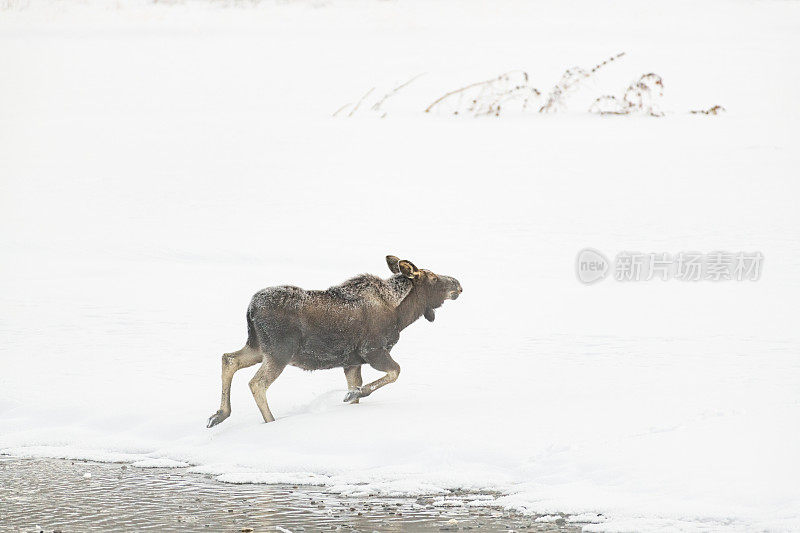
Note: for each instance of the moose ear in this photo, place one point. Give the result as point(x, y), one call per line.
point(408, 269)
point(392, 262)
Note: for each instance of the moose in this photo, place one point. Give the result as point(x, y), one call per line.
point(348, 325)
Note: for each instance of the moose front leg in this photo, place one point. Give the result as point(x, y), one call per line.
point(354, 381)
point(263, 378)
point(380, 360)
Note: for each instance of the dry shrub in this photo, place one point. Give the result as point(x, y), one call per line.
point(513, 88)
point(488, 97)
point(569, 83)
point(716, 110)
point(377, 107)
point(492, 96)
point(641, 96)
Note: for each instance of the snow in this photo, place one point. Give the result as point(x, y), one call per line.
point(160, 463)
point(161, 163)
point(72, 453)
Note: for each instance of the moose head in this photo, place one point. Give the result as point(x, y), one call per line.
point(430, 289)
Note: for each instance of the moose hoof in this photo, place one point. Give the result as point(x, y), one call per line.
point(352, 396)
point(216, 418)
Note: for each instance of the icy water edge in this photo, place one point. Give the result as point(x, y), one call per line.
point(50, 495)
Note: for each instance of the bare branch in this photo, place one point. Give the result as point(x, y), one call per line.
point(377, 105)
point(490, 95)
point(358, 104)
point(641, 96)
point(571, 80)
point(341, 109)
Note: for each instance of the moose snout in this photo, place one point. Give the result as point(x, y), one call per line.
point(456, 290)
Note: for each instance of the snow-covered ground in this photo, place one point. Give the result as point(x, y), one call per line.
point(161, 163)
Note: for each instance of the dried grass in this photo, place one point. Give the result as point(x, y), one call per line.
point(570, 81)
point(376, 107)
point(716, 110)
point(641, 96)
point(493, 96)
point(488, 97)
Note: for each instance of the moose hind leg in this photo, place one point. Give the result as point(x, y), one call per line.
point(231, 362)
point(263, 378)
point(380, 360)
point(354, 381)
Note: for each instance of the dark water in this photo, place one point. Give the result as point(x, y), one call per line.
point(58, 495)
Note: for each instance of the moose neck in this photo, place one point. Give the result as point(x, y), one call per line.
point(411, 308)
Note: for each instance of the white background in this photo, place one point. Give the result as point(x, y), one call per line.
point(161, 163)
